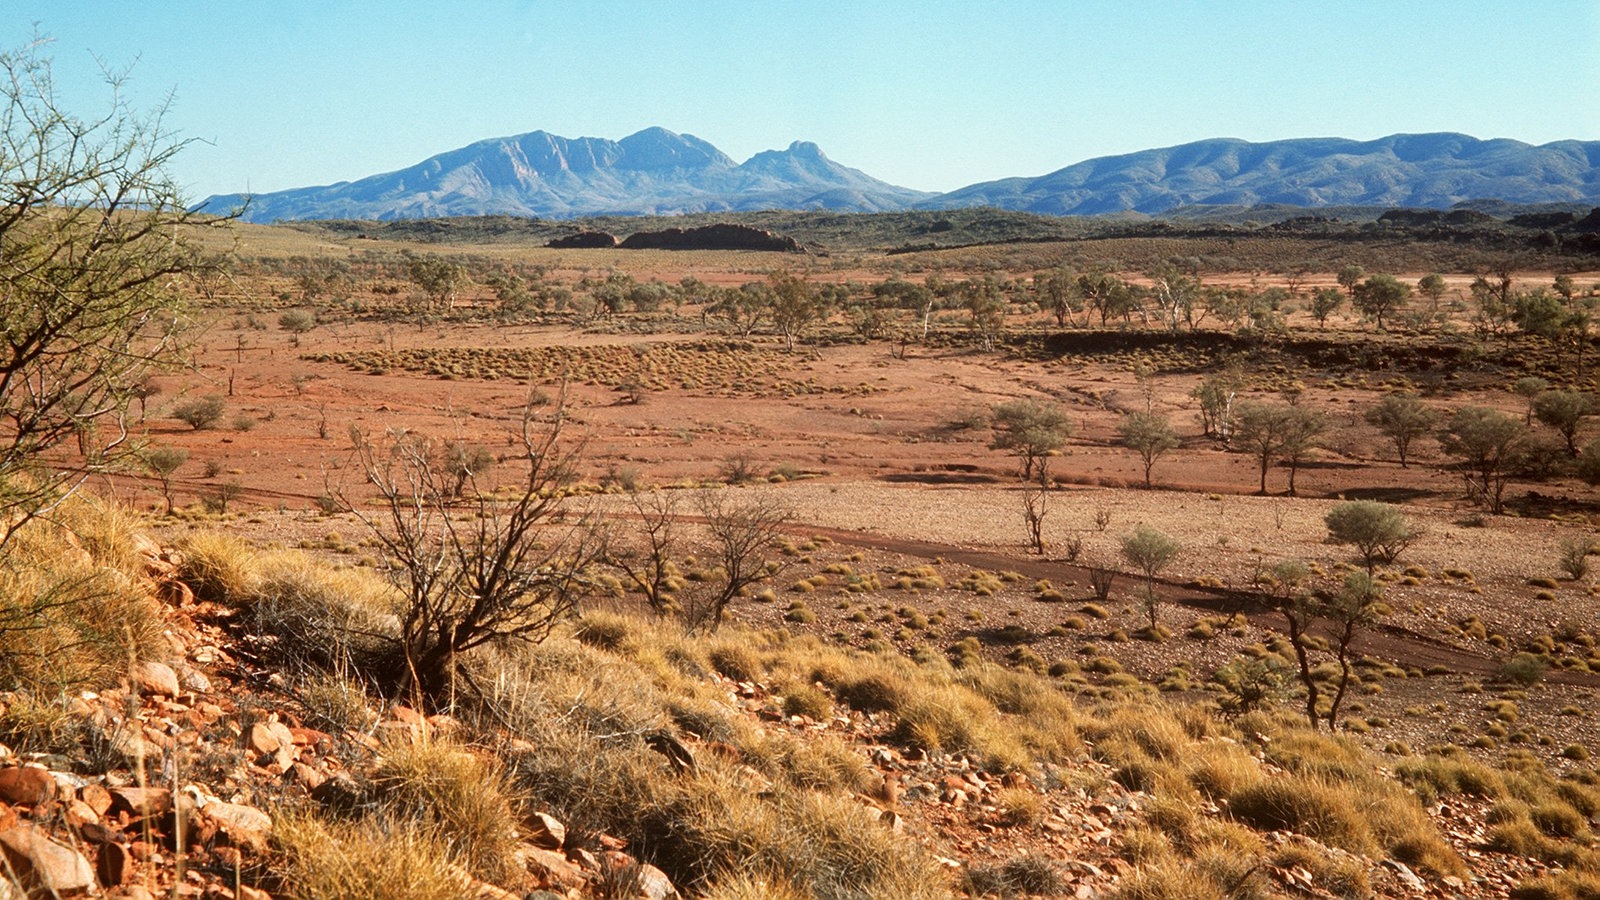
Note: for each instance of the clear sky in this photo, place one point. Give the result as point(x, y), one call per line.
point(930, 95)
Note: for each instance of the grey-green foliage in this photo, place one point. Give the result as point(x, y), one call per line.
point(201, 412)
point(1149, 551)
point(1032, 430)
point(1380, 296)
point(1379, 531)
point(1148, 434)
point(1402, 418)
point(94, 240)
point(1564, 411)
point(1486, 442)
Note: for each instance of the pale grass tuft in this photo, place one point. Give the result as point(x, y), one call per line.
point(456, 793)
point(358, 860)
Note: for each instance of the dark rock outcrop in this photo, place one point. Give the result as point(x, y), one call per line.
point(584, 240)
point(711, 237)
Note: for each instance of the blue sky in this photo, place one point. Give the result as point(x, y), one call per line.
point(928, 95)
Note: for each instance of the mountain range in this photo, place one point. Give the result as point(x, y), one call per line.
point(660, 172)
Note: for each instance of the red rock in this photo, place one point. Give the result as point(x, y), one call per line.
point(306, 776)
point(141, 801)
point(114, 866)
point(43, 865)
point(96, 798)
point(551, 869)
point(79, 814)
point(26, 786)
point(546, 832)
point(156, 679)
point(244, 826)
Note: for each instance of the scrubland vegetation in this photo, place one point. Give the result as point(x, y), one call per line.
point(1233, 560)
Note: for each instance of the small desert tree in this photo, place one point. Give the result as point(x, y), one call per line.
point(742, 535)
point(1402, 418)
point(1378, 531)
point(1324, 303)
point(1149, 435)
point(646, 561)
point(1589, 463)
point(1433, 287)
point(1292, 597)
point(1301, 435)
point(1032, 430)
point(201, 412)
point(796, 306)
point(163, 463)
point(1349, 278)
point(297, 322)
point(94, 248)
point(1529, 387)
point(439, 278)
point(1564, 411)
point(1357, 604)
point(1380, 296)
point(1487, 443)
point(1149, 551)
point(1260, 429)
point(500, 564)
point(1215, 395)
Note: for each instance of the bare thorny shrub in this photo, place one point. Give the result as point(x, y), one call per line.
point(494, 561)
point(740, 536)
point(92, 243)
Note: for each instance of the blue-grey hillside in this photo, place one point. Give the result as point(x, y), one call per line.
point(653, 172)
point(659, 172)
point(1416, 170)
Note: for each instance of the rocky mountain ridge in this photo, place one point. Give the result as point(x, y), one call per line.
point(660, 172)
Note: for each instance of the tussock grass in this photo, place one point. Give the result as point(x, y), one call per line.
point(219, 567)
point(452, 792)
point(75, 606)
point(365, 858)
point(579, 721)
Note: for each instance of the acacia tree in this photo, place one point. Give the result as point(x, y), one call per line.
point(796, 305)
point(1377, 530)
point(93, 247)
point(438, 277)
point(1031, 430)
point(163, 463)
point(742, 534)
point(1292, 597)
point(1357, 604)
point(1149, 435)
point(495, 564)
point(1301, 434)
point(646, 562)
point(1487, 442)
point(1260, 429)
point(1379, 296)
point(1564, 411)
point(1058, 293)
point(1324, 303)
point(1149, 551)
point(1402, 418)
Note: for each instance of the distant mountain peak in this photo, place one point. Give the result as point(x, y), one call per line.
point(656, 171)
point(1435, 170)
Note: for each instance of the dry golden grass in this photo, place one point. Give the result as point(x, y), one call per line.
point(361, 859)
point(75, 608)
point(443, 788)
